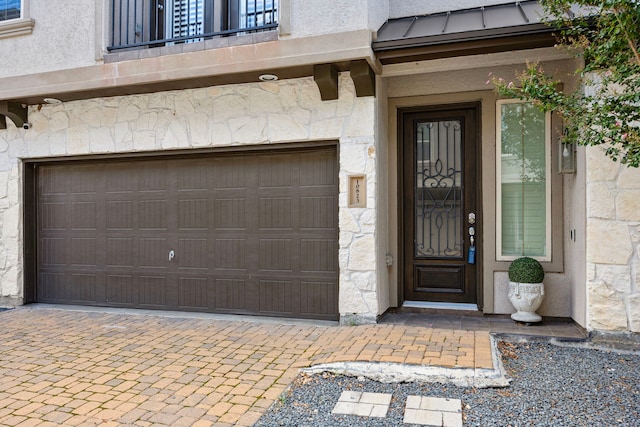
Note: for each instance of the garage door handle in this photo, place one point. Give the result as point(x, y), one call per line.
point(171, 254)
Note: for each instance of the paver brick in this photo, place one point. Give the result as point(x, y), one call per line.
point(229, 371)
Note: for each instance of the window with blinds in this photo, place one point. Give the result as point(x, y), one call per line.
point(186, 19)
point(10, 9)
point(523, 181)
point(255, 13)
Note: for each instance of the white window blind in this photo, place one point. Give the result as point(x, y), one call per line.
point(523, 163)
point(255, 13)
point(187, 19)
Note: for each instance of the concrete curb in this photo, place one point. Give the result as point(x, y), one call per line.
point(397, 372)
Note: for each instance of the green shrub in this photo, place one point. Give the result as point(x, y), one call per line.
point(526, 270)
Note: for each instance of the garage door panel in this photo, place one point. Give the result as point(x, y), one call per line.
point(193, 214)
point(192, 254)
point(320, 170)
point(82, 289)
point(53, 251)
point(120, 252)
point(277, 297)
point(316, 255)
point(152, 176)
point(230, 294)
point(230, 214)
point(83, 251)
point(152, 291)
point(276, 212)
point(120, 215)
point(152, 214)
point(153, 252)
point(231, 173)
point(250, 233)
point(318, 212)
point(121, 290)
point(52, 287)
point(318, 298)
point(275, 255)
point(193, 293)
point(276, 172)
point(230, 254)
point(54, 216)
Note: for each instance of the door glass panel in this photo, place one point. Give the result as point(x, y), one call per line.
point(438, 190)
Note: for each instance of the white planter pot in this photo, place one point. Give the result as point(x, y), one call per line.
point(526, 298)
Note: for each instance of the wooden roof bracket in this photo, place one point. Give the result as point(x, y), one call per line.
point(326, 77)
point(363, 78)
point(16, 112)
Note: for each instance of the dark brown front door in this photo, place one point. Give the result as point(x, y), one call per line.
point(438, 163)
point(252, 233)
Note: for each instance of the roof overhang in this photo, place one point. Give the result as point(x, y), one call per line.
point(286, 58)
point(489, 29)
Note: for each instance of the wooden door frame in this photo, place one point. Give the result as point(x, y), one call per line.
point(401, 112)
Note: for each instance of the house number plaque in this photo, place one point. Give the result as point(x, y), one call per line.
point(357, 191)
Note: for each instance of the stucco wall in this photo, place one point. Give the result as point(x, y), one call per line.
point(314, 17)
point(64, 36)
point(260, 113)
point(613, 244)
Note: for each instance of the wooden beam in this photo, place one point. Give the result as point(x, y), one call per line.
point(326, 77)
point(363, 78)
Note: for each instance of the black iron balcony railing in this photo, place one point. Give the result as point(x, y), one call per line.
point(152, 23)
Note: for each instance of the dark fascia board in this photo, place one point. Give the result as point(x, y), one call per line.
point(465, 48)
point(488, 34)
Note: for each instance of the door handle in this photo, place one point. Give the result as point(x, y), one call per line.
point(472, 233)
point(172, 254)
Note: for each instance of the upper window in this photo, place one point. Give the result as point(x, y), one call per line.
point(14, 18)
point(10, 9)
point(167, 22)
point(523, 181)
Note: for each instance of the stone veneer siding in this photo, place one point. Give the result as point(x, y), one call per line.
point(613, 244)
point(248, 114)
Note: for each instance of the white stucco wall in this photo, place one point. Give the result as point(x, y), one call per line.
point(259, 113)
point(73, 33)
point(613, 244)
point(314, 17)
point(64, 36)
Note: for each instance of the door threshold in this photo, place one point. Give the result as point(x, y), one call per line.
point(440, 305)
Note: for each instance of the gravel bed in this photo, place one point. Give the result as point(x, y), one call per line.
point(551, 386)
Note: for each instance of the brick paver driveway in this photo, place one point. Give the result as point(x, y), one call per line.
point(90, 368)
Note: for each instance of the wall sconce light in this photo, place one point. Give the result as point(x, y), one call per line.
point(567, 158)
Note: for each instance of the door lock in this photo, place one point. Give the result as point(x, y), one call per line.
point(172, 254)
point(472, 218)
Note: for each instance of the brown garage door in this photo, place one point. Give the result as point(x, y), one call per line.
point(244, 233)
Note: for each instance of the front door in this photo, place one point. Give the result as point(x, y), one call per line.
point(438, 200)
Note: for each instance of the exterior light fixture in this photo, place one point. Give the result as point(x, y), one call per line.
point(268, 77)
point(566, 155)
point(52, 101)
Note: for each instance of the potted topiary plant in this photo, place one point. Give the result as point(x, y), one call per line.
point(526, 290)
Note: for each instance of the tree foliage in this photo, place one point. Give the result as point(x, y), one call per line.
point(606, 109)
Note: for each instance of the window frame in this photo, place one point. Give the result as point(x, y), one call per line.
point(18, 26)
point(549, 225)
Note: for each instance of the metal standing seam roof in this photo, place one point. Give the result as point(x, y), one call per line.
point(516, 18)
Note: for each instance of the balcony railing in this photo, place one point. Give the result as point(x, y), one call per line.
point(153, 23)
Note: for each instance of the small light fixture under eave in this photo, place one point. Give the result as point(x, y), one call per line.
point(52, 101)
point(268, 77)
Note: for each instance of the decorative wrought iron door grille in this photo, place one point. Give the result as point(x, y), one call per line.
point(438, 190)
